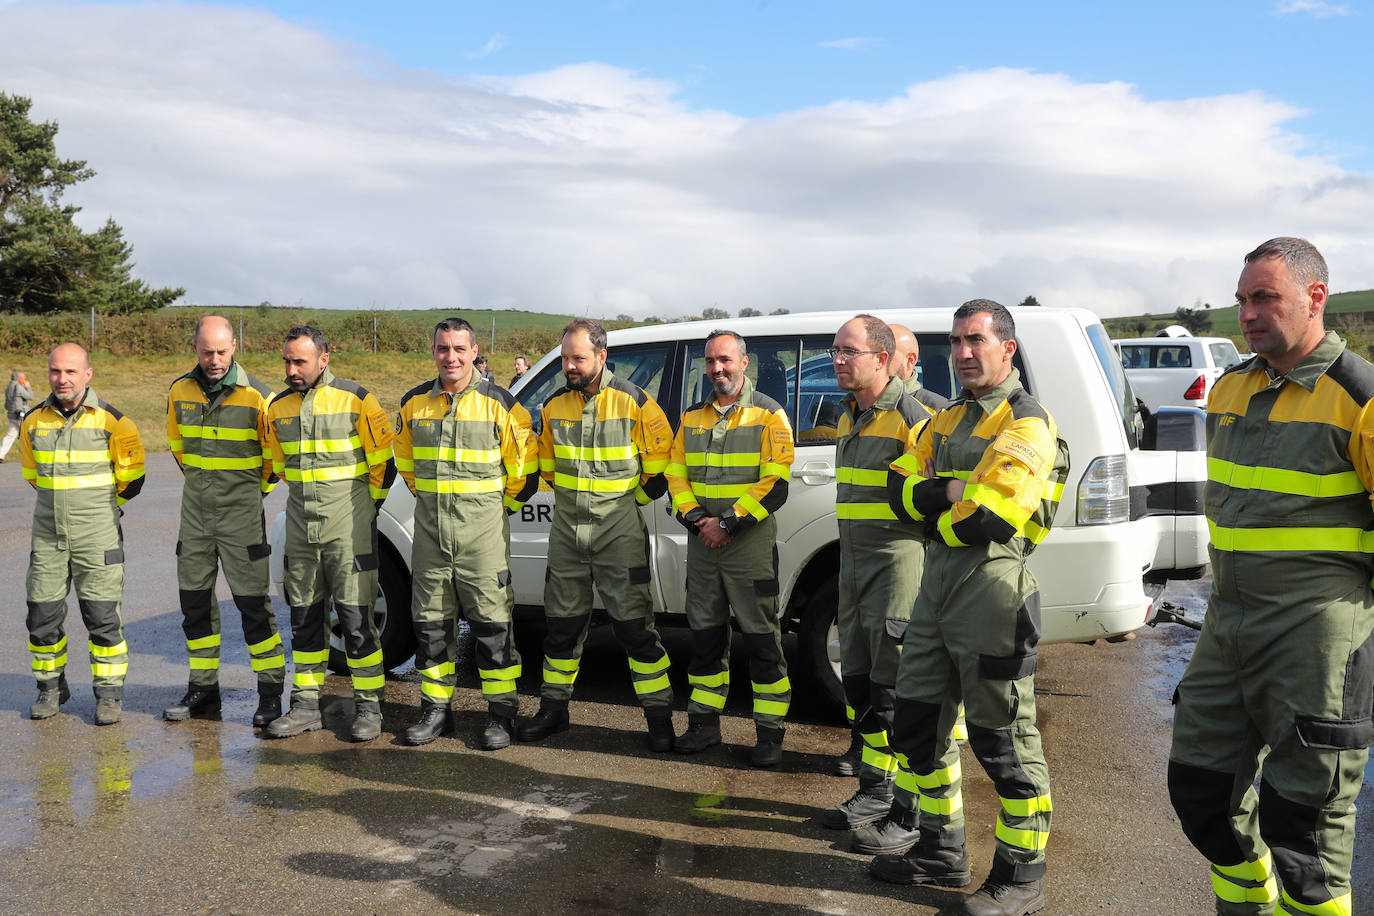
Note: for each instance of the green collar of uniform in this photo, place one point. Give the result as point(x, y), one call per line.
point(1312, 366)
point(990, 401)
point(234, 378)
point(324, 381)
point(606, 376)
point(887, 399)
point(745, 399)
point(89, 399)
point(474, 379)
point(911, 384)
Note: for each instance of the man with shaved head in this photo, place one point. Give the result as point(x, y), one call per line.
point(85, 460)
point(217, 428)
point(905, 357)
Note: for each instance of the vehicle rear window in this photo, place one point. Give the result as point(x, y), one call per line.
point(1224, 354)
point(1157, 356)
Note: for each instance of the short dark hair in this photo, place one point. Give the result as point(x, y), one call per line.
point(305, 330)
point(880, 336)
point(454, 323)
point(596, 333)
point(743, 349)
point(1003, 325)
point(1304, 261)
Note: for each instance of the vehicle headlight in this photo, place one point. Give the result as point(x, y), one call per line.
point(1104, 495)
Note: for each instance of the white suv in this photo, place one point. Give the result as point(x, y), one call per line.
point(1175, 371)
point(1130, 517)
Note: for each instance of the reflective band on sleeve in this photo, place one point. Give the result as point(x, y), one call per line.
point(946, 528)
point(781, 471)
point(752, 506)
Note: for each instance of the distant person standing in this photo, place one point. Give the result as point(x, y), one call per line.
point(522, 365)
point(85, 459)
point(18, 397)
point(480, 364)
point(905, 360)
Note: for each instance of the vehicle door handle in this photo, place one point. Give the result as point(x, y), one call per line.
point(816, 473)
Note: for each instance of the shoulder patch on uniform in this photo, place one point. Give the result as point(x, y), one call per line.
point(109, 408)
point(1024, 406)
point(422, 388)
point(634, 391)
point(1355, 375)
point(352, 388)
point(1009, 443)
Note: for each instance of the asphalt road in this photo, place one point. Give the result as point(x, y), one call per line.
point(205, 817)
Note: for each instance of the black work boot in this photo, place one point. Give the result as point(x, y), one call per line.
point(865, 806)
point(551, 719)
point(303, 717)
point(998, 898)
point(661, 734)
point(203, 700)
point(367, 720)
point(269, 704)
point(893, 834)
point(50, 697)
point(847, 764)
point(108, 710)
point(498, 732)
point(767, 751)
point(936, 860)
point(703, 731)
point(435, 720)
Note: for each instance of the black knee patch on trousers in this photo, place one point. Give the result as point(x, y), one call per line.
point(1202, 801)
point(358, 641)
point(856, 688)
point(1290, 829)
point(493, 643)
point(106, 617)
point(916, 733)
point(561, 635)
point(882, 705)
point(195, 611)
point(308, 633)
point(765, 661)
point(257, 617)
point(996, 751)
point(432, 639)
point(709, 646)
point(639, 641)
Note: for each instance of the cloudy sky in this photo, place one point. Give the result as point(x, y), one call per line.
point(651, 158)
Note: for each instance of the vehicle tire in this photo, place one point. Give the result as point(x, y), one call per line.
point(818, 644)
point(395, 631)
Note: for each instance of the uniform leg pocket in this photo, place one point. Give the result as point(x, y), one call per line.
point(259, 551)
point(895, 629)
point(365, 561)
point(114, 556)
point(1007, 667)
point(639, 575)
point(503, 578)
point(766, 588)
point(1355, 727)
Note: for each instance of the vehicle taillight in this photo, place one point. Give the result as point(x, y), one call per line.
point(1104, 497)
point(1196, 391)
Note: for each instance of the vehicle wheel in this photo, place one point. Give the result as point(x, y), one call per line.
point(818, 642)
point(395, 631)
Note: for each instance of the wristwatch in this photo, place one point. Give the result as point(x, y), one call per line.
point(722, 525)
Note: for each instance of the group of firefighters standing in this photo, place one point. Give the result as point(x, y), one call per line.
point(938, 504)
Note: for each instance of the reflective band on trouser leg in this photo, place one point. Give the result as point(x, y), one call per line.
point(960, 726)
point(941, 797)
point(268, 659)
point(1339, 906)
point(708, 692)
point(1024, 824)
point(307, 681)
point(559, 676)
point(368, 676)
point(1248, 882)
point(49, 661)
point(204, 659)
point(906, 793)
point(771, 701)
point(498, 686)
point(109, 664)
point(649, 677)
point(437, 683)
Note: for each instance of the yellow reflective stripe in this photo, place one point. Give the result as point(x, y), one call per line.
point(1034, 840)
point(879, 760)
point(377, 492)
point(508, 673)
point(778, 686)
point(436, 691)
point(594, 452)
point(222, 464)
point(175, 445)
point(1025, 807)
point(862, 477)
point(946, 529)
point(719, 679)
point(497, 688)
point(769, 707)
point(369, 682)
point(203, 642)
point(683, 498)
point(707, 698)
point(654, 465)
point(1282, 480)
point(296, 475)
point(271, 642)
point(204, 664)
point(380, 456)
point(511, 503)
point(653, 667)
point(642, 497)
point(560, 670)
point(428, 485)
point(939, 779)
point(124, 475)
point(676, 470)
point(466, 455)
point(121, 648)
point(72, 456)
point(28, 473)
point(321, 446)
point(907, 462)
point(436, 672)
point(1337, 906)
point(1033, 532)
point(404, 464)
point(905, 780)
point(546, 464)
point(848, 710)
point(77, 482)
point(652, 685)
point(722, 459)
point(752, 506)
point(720, 490)
point(569, 482)
point(781, 471)
point(106, 669)
point(310, 658)
point(373, 658)
point(561, 664)
point(266, 664)
point(55, 647)
point(219, 432)
point(1006, 509)
point(308, 679)
point(1258, 870)
point(1264, 890)
point(944, 807)
point(50, 664)
point(1349, 540)
point(865, 511)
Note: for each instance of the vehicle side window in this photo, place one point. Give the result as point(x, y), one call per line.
point(772, 368)
point(933, 369)
point(1136, 357)
point(1223, 354)
point(818, 401)
point(643, 365)
point(1173, 357)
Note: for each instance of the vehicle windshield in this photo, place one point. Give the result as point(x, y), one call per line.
point(1112, 366)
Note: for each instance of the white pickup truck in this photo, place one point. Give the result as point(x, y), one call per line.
point(1130, 518)
point(1175, 371)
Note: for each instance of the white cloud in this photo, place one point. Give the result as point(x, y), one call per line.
point(850, 44)
point(1319, 9)
point(495, 43)
point(250, 159)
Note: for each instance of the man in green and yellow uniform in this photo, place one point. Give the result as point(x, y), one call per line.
point(728, 473)
point(603, 446)
point(217, 430)
point(331, 443)
point(1281, 683)
point(85, 459)
point(469, 459)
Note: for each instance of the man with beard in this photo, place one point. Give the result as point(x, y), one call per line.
point(217, 430)
point(603, 445)
point(728, 474)
point(85, 459)
point(331, 443)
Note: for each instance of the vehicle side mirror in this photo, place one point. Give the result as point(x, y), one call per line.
point(1175, 429)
